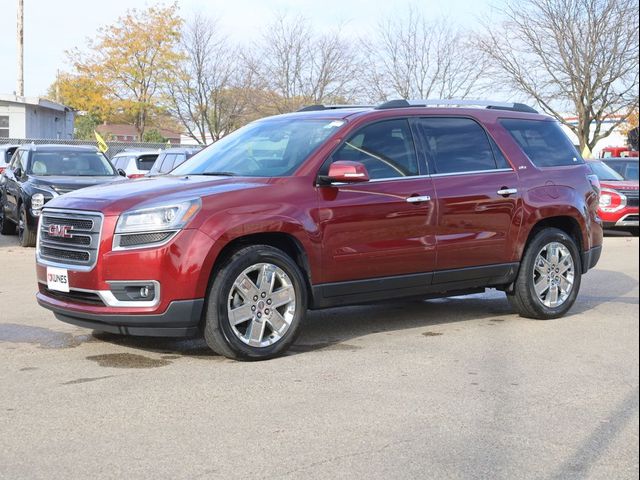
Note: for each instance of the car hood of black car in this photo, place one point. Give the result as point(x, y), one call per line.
point(64, 184)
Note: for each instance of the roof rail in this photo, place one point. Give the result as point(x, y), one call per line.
point(313, 108)
point(516, 107)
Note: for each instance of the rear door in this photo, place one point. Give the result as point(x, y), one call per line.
point(13, 183)
point(377, 228)
point(476, 190)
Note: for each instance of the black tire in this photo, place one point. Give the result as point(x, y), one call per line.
point(524, 298)
point(218, 332)
point(26, 236)
point(7, 227)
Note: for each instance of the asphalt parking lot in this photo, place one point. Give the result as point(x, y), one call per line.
point(456, 388)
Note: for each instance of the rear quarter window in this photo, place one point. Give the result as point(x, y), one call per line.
point(145, 162)
point(543, 142)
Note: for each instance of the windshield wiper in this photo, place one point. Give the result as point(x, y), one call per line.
point(216, 174)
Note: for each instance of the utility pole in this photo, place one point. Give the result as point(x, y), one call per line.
point(20, 82)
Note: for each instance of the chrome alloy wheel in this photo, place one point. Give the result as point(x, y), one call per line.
point(261, 305)
point(553, 274)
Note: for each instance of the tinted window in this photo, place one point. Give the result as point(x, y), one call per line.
point(385, 148)
point(501, 160)
point(69, 163)
point(455, 145)
point(145, 162)
point(543, 142)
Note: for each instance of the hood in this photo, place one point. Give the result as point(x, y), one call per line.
point(65, 184)
point(620, 185)
point(118, 197)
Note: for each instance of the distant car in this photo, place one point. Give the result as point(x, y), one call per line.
point(6, 152)
point(135, 163)
point(618, 198)
point(625, 166)
point(38, 173)
point(171, 158)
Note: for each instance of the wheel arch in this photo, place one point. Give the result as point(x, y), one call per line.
point(567, 224)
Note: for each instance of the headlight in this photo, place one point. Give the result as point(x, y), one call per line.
point(605, 200)
point(154, 226)
point(37, 201)
point(163, 217)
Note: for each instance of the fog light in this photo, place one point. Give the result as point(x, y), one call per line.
point(144, 292)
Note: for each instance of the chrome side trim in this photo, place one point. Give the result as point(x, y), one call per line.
point(473, 172)
point(623, 222)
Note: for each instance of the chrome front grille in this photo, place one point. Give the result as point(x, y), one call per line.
point(69, 239)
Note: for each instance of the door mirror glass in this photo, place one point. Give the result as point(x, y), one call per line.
point(344, 171)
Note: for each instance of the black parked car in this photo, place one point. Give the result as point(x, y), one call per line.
point(171, 158)
point(37, 173)
point(6, 152)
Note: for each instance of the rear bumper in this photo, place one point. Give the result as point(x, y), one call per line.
point(180, 319)
point(590, 258)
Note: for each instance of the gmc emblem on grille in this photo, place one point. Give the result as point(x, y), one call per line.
point(60, 231)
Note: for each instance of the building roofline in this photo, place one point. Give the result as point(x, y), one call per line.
point(35, 101)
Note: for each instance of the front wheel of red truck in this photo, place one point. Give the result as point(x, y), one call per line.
point(256, 304)
point(549, 278)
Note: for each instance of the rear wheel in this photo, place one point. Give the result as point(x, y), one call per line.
point(255, 305)
point(549, 278)
point(26, 236)
point(7, 227)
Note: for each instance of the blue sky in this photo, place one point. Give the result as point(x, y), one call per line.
point(53, 26)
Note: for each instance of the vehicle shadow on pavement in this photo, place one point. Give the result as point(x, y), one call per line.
point(333, 328)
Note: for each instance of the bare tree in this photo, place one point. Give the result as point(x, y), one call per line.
point(296, 66)
point(577, 54)
point(413, 57)
point(205, 95)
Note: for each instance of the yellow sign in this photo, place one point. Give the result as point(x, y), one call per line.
point(102, 145)
point(586, 153)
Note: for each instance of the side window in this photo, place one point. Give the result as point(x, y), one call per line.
point(180, 159)
point(543, 142)
point(455, 145)
point(501, 160)
point(385, 148)
point(145, 162)
point(167, 163)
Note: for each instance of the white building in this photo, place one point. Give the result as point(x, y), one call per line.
point(33, 117)
point(616, 139)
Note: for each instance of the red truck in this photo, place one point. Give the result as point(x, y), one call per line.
point(325, 207)
point(618, 198)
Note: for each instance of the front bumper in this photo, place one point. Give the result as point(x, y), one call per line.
point(180, 319)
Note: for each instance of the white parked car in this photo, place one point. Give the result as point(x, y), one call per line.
point(135, 163)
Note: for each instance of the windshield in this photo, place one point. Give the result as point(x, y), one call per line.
point(268, 148)
point(604, 173)
point(83, 164)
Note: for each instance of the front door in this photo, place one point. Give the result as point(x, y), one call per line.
point(384, 227)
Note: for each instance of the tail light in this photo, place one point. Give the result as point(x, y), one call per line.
point(2, 170)
point(135, 175)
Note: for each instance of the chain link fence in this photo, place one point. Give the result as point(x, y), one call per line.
point(114, 147)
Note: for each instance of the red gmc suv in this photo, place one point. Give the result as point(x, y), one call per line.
point(323, 207)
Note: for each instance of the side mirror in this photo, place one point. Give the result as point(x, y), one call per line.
point(343, 171)
point(122, 173)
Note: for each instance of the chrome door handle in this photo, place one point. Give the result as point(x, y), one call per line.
point(507, 191)
point(423, 198)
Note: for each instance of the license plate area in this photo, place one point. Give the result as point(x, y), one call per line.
point(58, 279)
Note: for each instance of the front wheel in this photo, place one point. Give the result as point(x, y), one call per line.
point(549, 278)
point(255, 305)
point(26, 235)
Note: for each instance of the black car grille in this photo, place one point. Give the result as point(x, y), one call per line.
point(69, 239)
point(74, 296)
point(632, 197)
